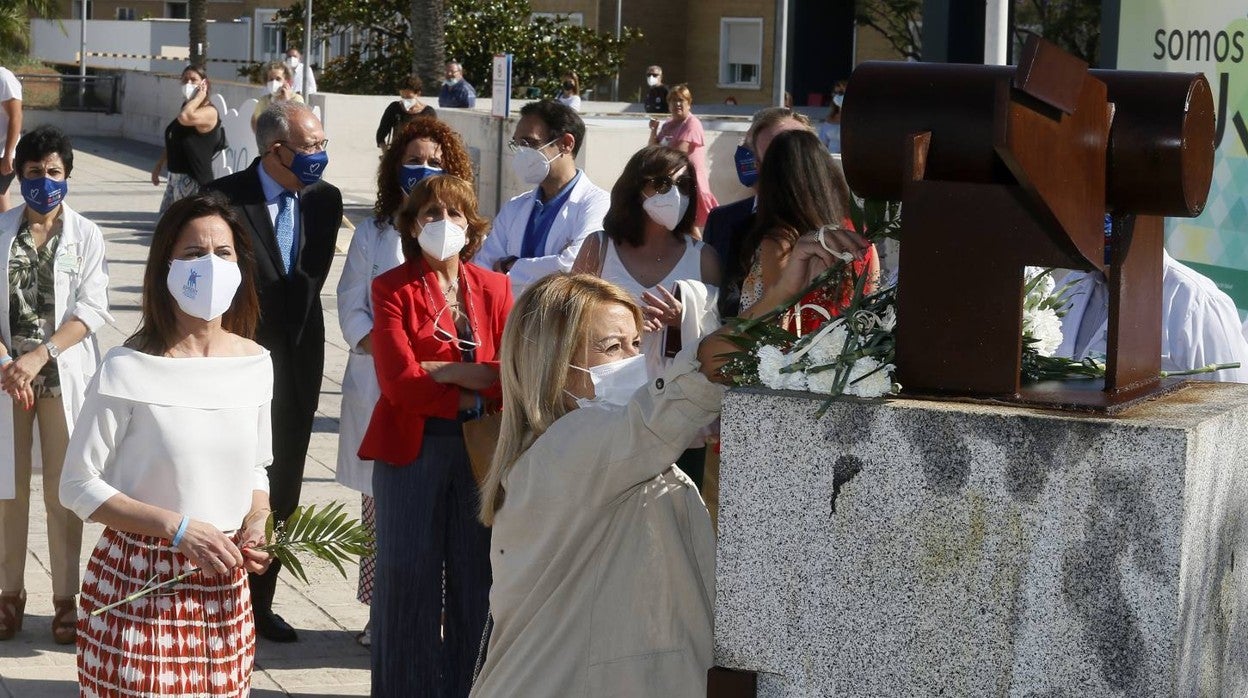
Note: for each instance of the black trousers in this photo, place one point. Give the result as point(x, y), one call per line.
point(293, 413)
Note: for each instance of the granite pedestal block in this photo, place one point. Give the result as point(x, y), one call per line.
point(921, 548)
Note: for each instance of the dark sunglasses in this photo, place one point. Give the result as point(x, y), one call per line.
point(663, 185)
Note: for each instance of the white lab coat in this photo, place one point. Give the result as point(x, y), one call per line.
point(1199, 323)
point(374, 250)
point(581, 215)
point(298, 77)
point(81, 279)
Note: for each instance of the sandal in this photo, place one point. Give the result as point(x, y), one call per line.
point(12, 611)
point(65, 621)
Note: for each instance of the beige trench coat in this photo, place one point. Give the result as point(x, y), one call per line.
point(604, 556)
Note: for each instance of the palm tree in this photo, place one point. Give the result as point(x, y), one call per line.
point(197, 33)
point(15, 16)
point(428, 25)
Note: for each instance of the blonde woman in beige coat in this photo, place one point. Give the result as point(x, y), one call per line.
point(602, 551)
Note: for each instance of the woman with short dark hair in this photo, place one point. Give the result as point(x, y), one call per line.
point(401, 111)
point(149, 461)
point(423, 148)
point(437, 325)
point(55, 278)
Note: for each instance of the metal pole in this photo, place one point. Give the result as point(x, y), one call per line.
point(498, 187)
point(82, 41)
point(996, 32)
point(781, 54)
point(619, 29)
point(82, 56)
point(307, 50)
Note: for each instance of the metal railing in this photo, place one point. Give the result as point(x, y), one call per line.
point(93, 93)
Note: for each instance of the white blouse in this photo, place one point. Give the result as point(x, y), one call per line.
point(191, 435)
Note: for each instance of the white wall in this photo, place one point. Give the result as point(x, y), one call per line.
point(150, 101)
point(229, 41)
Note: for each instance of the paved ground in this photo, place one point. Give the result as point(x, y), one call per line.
point(110, 186)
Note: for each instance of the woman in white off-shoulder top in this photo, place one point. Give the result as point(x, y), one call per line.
point(169, 453)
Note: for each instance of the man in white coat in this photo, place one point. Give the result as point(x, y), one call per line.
point(1199, 323)
point(540, 232)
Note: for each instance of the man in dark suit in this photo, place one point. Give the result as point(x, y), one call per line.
point(293, 217)
point(727, 226)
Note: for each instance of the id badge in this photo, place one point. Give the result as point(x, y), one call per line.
point(68, 260)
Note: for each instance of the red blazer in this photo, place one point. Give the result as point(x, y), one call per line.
point(403, 337)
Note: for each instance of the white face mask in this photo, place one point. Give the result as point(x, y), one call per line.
point(292, 62)
point(275, 86)
point(408, 103)
point(667, 209)
point(442, 239)
point(652, 80)
point(615, 383)
point(530, 165)
point(204, 287)
point(188, 89)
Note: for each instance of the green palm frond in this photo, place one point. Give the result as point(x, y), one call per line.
point(326, 533)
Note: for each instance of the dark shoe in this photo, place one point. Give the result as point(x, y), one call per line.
point(65, 621)
point(270, 626)
point(12, 611)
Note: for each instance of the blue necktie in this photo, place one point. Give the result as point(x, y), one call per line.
point(285, 229)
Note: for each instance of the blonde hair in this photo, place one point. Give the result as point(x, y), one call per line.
point(551, 321)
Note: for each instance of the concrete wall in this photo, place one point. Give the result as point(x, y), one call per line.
point(149, 101)
point(228, 40)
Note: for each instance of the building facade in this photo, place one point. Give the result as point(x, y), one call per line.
point(726, 48)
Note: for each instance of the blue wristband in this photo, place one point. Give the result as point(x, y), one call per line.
point(6, 360)
point(177, 537)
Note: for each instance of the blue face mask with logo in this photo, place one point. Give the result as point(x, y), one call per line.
point(309, 168)
point(410, 175)
point(747, 168)
point(43, 194)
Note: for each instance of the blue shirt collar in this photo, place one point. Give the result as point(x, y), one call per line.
point(560, 196)
point(269, 186)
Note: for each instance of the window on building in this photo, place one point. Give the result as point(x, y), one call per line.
point(740, 51)
point(175, 10)
point(126, 13)
point(273, 41)
point(77, 5)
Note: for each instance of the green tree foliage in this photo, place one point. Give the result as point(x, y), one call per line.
point(899, 21)
point(386, 49)
point(1074, 25)
point(15, 16)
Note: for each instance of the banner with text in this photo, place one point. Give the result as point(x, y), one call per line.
point(1210, 37)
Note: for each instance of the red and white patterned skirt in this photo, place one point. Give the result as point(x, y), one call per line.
point(195, 638)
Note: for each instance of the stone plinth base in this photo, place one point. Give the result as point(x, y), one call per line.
point(917, 548)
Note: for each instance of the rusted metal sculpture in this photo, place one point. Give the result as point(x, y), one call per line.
point(999, 168)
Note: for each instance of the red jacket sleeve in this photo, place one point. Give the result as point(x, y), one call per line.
point(403, 382)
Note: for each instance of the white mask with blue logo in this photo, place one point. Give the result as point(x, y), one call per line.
point(204, 287)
